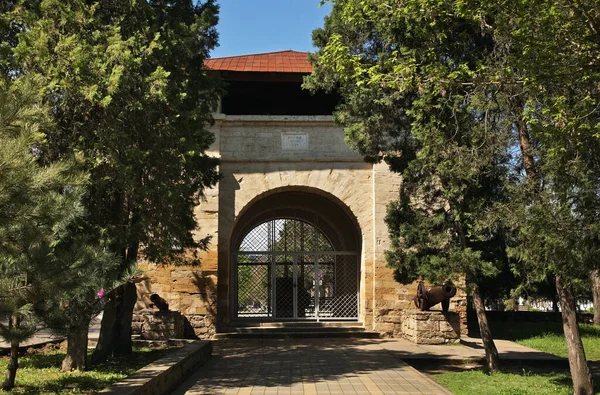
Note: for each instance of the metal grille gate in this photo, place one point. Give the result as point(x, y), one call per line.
point(288, 269)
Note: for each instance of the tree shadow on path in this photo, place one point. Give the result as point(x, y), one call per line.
point(334, 363)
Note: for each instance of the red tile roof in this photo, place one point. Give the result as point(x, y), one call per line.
point(275, 62)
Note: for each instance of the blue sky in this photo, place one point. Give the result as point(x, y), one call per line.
point(257, 26)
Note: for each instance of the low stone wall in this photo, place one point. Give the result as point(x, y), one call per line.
point(165, 374)
point(430, 327)
point(159, 325)
point(388, 322)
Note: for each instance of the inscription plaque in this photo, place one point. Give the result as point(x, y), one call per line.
point(294, 142)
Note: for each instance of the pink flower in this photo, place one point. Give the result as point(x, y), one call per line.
point(100, 293)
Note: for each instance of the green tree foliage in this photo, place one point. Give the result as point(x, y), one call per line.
point(84, 273)
point(553, 78)
point(407, 76)
point(31, 208)
point(43, 263)
point(553, 72)
point(526, 73)
point(294, 235)
point(8, 39)
point(131, 96)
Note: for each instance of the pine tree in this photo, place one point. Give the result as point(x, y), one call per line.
point(445, 226)
point(131, 96)
point(536, 64)
point(32, 209)
point(39, 205)
point(407, 78)
point(84, 274)
point(547, 64)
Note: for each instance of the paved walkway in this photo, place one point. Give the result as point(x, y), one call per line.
point(334, 366)
point(469, 349)
point(46, 335)
point(43, 336)
point(327, 365)
point(306, 366)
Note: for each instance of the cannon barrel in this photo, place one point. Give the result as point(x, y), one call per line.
point(159, 302)
point(434, 295)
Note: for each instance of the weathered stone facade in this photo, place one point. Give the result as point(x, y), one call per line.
point(430, 327)
point(160, 325)
point(256, 163)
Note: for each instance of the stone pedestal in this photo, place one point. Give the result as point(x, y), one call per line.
point(162, 325)
point(430, 327)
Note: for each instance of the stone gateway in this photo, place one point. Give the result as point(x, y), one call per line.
point(297, 219)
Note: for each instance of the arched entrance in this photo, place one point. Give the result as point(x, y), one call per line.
point(295, 257)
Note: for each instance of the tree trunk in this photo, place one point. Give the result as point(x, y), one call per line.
point(580, 372)
point(525, 146)
point(491, 352)
point(528, 161)
point(122, 340)
point(596, 295)
point(76, 358)
point(13, 363)
point(104, 348)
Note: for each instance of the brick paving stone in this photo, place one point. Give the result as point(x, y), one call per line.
point(306, 367)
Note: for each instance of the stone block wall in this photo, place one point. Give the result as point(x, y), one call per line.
point(161, 325)
point(430, 327)
point(259, 138)
point(391, 319)
point(188, 289)
point(192, 289)
point(254, 164)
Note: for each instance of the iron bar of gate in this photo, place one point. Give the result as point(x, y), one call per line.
point(271, 308)
point(299, 229)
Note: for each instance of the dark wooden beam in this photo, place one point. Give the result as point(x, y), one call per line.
point(261, 76)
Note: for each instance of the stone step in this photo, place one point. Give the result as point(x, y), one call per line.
point(288, 335)
point(303, 330)
point(298, 324)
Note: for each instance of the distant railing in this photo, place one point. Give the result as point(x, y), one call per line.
point(528, 316)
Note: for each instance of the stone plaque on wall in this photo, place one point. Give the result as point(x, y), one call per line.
point(294, 142)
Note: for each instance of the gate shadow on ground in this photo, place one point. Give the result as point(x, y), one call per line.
point(289, 363)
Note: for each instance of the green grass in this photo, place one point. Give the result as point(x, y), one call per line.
point(543, 336)
point(39, 372)
point(548, 337)
point(478, 383)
